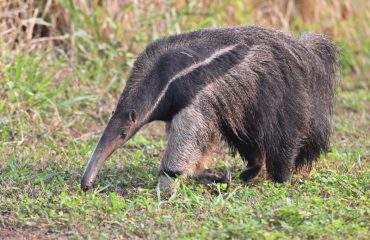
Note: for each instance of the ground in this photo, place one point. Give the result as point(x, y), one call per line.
point(41, 198)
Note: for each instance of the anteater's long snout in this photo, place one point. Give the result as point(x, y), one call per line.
point(91, 171)
point(105, 147)
point(95, 163)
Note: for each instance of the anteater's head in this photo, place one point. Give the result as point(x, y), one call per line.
point(132, 112)
point(120, 128)
point(144, 99)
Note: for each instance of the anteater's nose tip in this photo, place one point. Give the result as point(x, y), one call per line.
point(85, 185)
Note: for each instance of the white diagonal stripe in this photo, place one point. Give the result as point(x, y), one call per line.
point(185, 72)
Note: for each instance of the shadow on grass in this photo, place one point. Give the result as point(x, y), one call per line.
point(125, 179)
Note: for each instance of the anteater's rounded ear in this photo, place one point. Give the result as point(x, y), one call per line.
point(132, 115)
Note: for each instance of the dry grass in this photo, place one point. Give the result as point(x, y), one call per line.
point(129, 25)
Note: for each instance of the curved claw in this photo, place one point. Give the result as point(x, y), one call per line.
point(226, 178)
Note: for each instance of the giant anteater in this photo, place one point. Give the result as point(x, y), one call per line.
point(267, 94)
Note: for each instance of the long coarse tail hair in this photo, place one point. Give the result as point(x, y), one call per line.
point(325, 78)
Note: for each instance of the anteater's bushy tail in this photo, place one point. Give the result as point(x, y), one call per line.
point(321, 44)
point(325, 66)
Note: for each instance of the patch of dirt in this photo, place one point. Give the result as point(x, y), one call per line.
point(6, 234)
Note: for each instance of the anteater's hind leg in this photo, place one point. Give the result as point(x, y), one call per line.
point(280, 162)
point(189, 149)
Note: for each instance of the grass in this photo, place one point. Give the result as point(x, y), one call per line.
point(45, 149)
point(54, 103)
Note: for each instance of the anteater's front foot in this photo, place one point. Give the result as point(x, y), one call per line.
point(208, 176)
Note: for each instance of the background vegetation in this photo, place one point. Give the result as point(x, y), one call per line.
point(63, 64)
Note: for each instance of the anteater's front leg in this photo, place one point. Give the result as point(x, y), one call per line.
point(199, 171)
point(189, 149)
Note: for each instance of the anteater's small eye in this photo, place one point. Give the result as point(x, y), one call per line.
point(123, 133)
point(112, 113)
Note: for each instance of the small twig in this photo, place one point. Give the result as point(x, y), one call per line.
point(86, 135)
point(351, 168)
point(32, 24)
point(45, 39)
point(7, 31)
